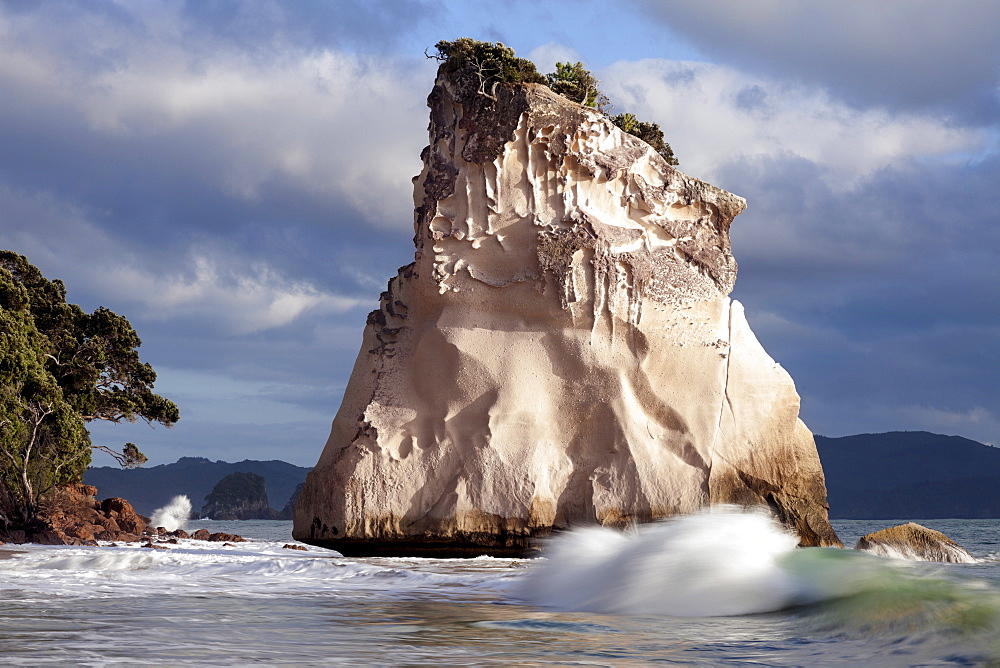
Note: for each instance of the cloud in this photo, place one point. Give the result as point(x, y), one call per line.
point(216, 288)
point(155, 100)
point(547, 55)
point(242, 300)
point(713, 115)
point(898, 54)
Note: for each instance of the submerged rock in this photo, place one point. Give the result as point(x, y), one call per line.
point(916, 542)
point(562, 351)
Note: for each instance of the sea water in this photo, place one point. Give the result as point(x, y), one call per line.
point(719, 588)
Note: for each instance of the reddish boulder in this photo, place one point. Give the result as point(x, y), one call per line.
point(55, 537)
point(226, 537)
point(71, 515)
point(110, 527)
point(122, 512)
point(86, 532)
point(201, 534)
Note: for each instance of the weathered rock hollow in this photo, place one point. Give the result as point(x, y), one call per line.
point(561, 352)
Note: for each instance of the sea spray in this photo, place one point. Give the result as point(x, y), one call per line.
point(726, 561)
point(174, 515)
point(718, 562)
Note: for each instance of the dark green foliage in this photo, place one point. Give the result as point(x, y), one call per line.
point(494, 64)
point(129, 458)
point(648, 132)
point(60, 368)
point(92, 356)
point(578, 84)
point(43, 441)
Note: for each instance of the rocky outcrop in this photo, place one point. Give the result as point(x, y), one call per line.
point(71, 515)
point(164, 536)
point(239, 496)
point(288, 512)
point(562, 351)
point(915, 542)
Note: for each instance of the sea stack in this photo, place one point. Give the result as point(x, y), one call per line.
point(561, 352)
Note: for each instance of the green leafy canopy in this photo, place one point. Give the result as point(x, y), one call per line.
point(60, 368)
point(496, 64)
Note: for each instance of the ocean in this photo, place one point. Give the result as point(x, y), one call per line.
point(714, 589)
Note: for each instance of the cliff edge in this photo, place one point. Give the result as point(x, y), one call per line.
point(561, 352)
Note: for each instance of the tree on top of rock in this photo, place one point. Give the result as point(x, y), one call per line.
point(648, 132)
point(578, 84)
point(494, 64)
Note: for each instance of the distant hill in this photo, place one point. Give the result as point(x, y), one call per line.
point(910, 474)
point(153, 487)
point(895, 475)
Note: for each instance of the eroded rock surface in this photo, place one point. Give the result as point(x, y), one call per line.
point(562, 351)
point(915, 542)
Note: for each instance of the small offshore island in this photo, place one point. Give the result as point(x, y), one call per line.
point(562, 351)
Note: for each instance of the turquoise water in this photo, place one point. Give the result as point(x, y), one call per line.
point(722, 590)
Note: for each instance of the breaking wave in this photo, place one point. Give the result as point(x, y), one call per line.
point(174, 515)
point(725, 561)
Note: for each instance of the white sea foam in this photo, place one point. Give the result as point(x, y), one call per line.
point(945, 553)
point(256, 602)
point(255, 569)
point(723, 561)
point(174, 515)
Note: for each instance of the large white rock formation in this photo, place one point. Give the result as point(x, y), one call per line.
point(561, 352)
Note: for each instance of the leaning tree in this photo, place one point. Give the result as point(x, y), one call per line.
point(60, 368)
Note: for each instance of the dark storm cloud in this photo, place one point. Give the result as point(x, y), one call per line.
point(903, 54)
point(889, 321)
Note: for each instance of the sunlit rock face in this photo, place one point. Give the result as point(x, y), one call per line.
point(914, 542)
point(561, 352)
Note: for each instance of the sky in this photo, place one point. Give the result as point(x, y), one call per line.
point(234, 177)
